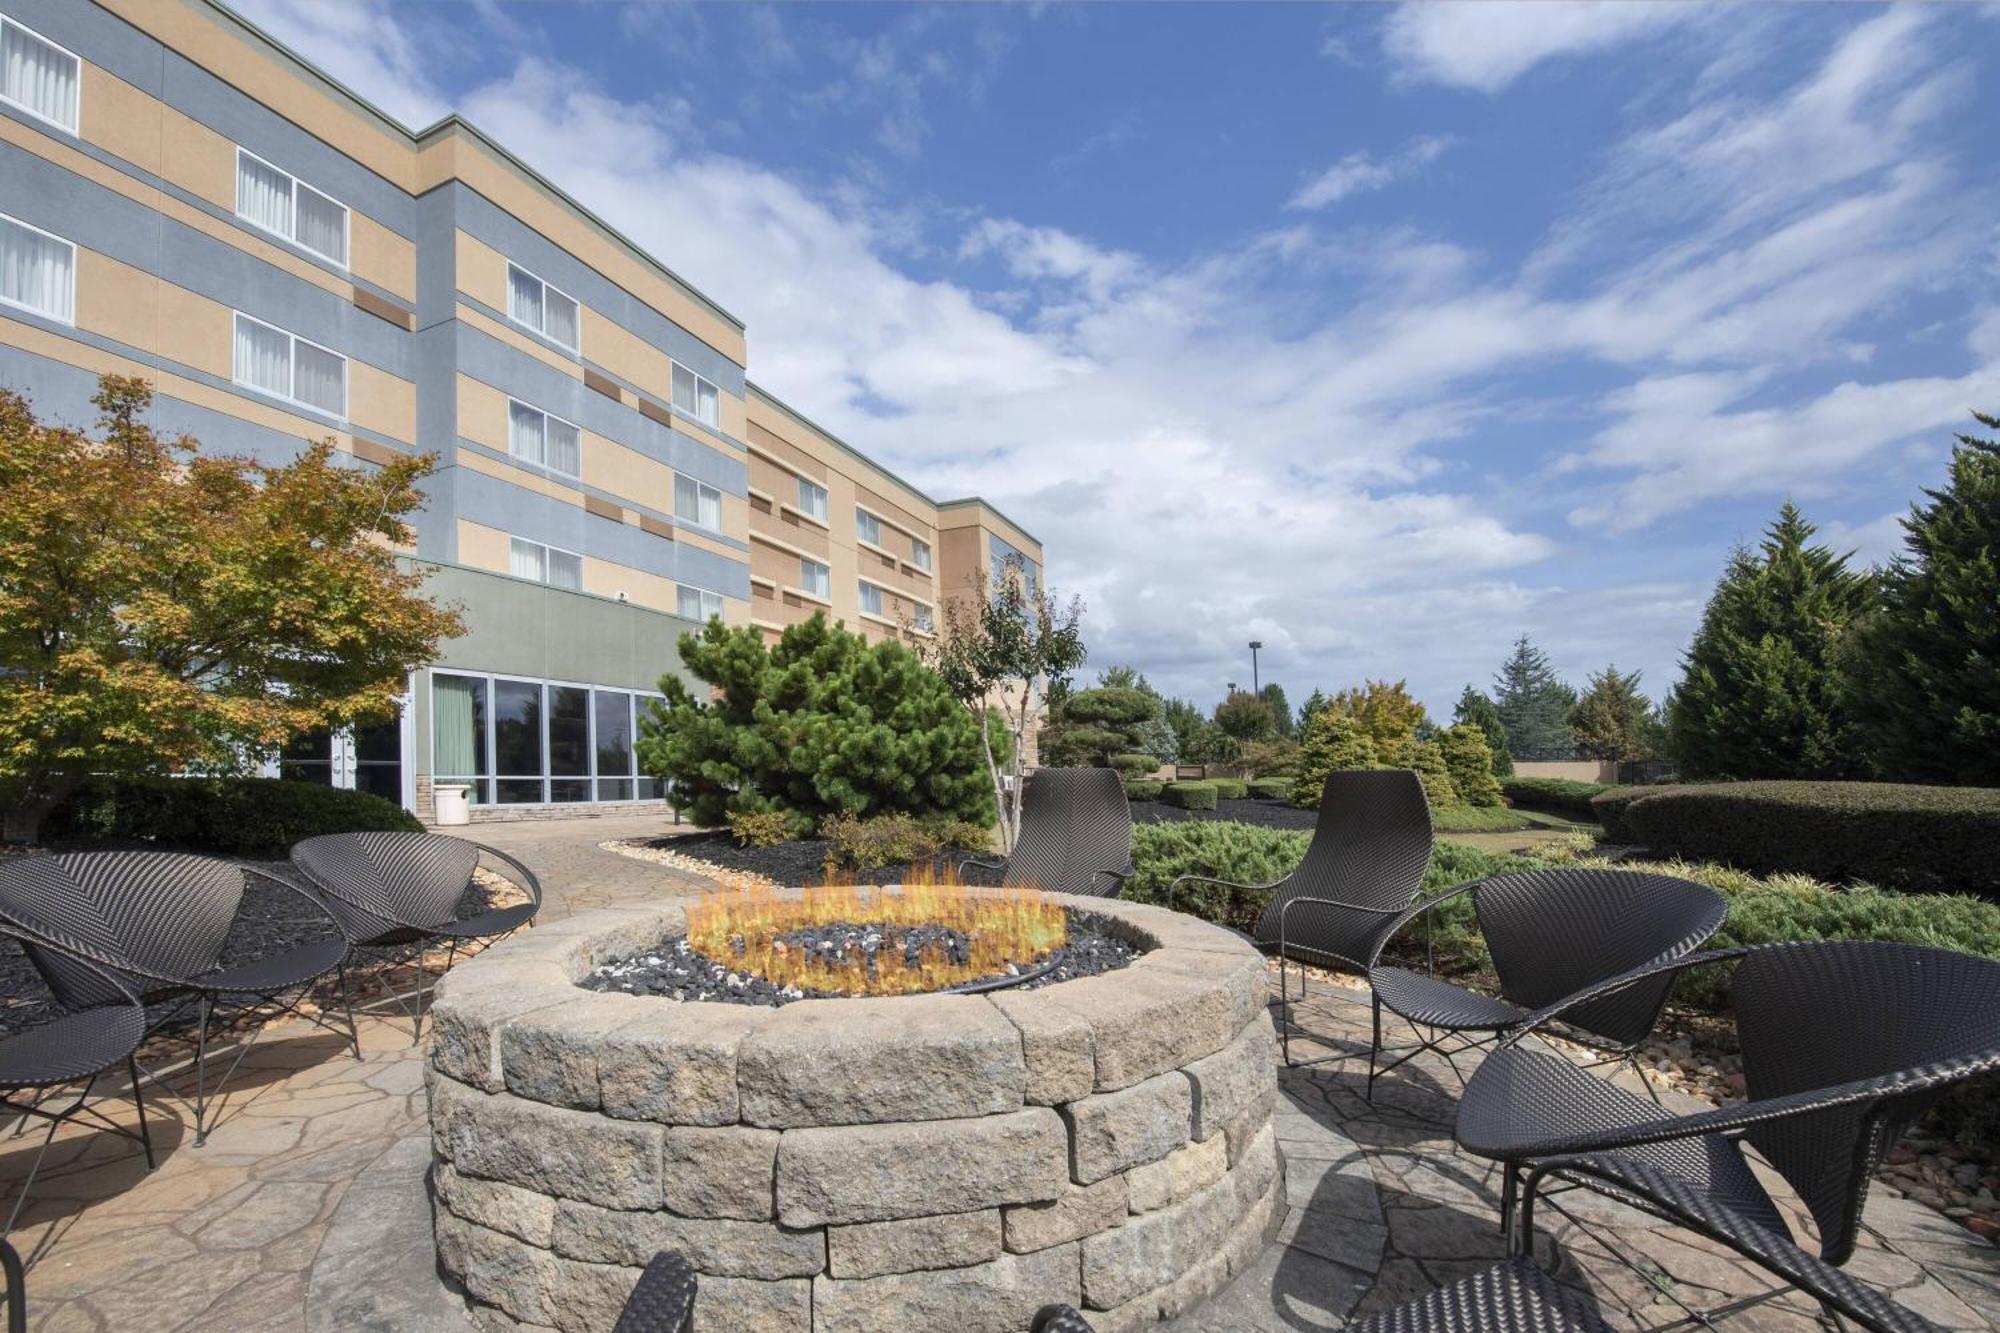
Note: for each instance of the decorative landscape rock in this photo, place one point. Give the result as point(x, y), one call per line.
point(931, 1162)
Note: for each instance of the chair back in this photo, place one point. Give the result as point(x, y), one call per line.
point(1552, 933)
point(1075, 822)
point(1822, 1013)
point(1370, 847)
point(376, 882)
point(144, 915)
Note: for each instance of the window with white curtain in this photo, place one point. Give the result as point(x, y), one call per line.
point(812, 499)
point(544, 564)
point(871, 599)
point(536, 437)
point(541, 307)
point(37, 270)
point(867, 527)
point(282, 203)
point(815, 578)
point(920, 553)
point(290, 367)
point(697, 503)
point(922, 619)
point(696, 396)
point(38, 76)
point(697, 604)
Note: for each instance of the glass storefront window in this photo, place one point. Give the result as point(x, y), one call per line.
point(517, 740)
point(614, 745)
point(569, 743)
point(458, 729)
point(548, 742)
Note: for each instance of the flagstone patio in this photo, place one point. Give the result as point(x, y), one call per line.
point(305, 1211)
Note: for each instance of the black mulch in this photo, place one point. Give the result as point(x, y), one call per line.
point(1250, 810)
point(677, 971)
point(796, 863)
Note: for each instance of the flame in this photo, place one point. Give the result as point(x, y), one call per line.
point(743, 926)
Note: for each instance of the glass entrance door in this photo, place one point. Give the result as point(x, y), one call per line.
point(369, 759)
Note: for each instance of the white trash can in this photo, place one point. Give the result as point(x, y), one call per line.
point(449, 805)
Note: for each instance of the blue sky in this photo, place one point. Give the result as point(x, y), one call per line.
point(1380, 334)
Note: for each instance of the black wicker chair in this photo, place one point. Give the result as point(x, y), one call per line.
point(663, 1302)
point(161, 921)
point(17, 1288)
point(1844, 1044)
point(1364, 867)
point(79, 1046)
point(396, 893)
point(1076, 834)
point(1550, 933)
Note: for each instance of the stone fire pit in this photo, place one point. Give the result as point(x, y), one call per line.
point(927, 1162)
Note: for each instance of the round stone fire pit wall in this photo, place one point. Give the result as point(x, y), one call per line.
point(904, 1165)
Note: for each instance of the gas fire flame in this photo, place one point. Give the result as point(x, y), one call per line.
point(743, 926)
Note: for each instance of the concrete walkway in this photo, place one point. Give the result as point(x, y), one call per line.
point(304, 1212)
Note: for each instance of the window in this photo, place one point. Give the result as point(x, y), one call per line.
point(517, 741)
point(867, 527)
point(697, 604)
point(458, 733)
point(696, 396)
point(812, 499)
point(815, 578)
point(871, 599)
point(569, 743)
point(536, 305)
point(536, 437)
point(544, 564)
point(697, 503)
point(37, 271)
point(920, 554)
point(612, 718)
point(287, 366)
point(553, 742)
point(921, 618)
point(279, 202)
point(38, 76)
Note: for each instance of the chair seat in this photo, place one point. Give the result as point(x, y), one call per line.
point(70, 1047)
point(279, 971)
point(1520, 1097)
point(498, 921)
point(1514, 1297)
point(1425, 999)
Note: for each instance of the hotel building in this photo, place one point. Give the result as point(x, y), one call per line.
point(185, 200)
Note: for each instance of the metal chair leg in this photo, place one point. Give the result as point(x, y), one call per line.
point(347, 1003)
point(139, 1104)
point(201, 1076)
point(55, 1123)
point(1510, 1191)
point(1375, 1044)
point(1285, 1012)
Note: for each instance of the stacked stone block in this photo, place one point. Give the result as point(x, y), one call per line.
point(920, 1163)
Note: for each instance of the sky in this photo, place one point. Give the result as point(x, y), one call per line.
point(1379, 334)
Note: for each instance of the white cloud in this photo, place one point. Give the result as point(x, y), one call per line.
point(1874, 542)
point(1487, 46)
point(1358, 172)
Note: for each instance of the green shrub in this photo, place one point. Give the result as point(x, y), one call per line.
point(1230, 789)
point(1190, 795)
point(1478, 819)
point(1917, 839)
point(1247, 853)
point(257, 817)
point(1556, 796)
point(1271, 789)
point(1145, 789)
point(759, 828)
point(1470, 762)
point(1134, 767)
point(1333, 741)
point(1609, 808)
point(888, 840)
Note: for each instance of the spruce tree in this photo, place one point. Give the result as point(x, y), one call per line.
point(1533, 705)
point(1925, 669)
point(1282, 724)
point(1477, 709)
point(1759, 696)
point(1332, 740)
point(1609, 721)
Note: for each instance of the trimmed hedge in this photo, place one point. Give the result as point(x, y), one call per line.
point(1190, 795)
point(1554, 796)
point(1271, 789)
point(1231, 789)
point(1917, 839)
point(1609, 809)
point(256, 817)
point(1144, 790)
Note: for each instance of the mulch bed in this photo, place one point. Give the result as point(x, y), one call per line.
point(797, 863)
point(1250, 810)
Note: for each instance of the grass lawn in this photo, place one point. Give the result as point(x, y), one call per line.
point(1478, 819)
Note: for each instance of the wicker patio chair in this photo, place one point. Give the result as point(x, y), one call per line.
point(17, 1288)
point(396, 893)
point(1364, 868)
point(1076, 834)
point(161, 921)
point(663, 1302)
point(1060, 1319)
point(1845, 1043)
point(1550, 933)
point(79, 1046)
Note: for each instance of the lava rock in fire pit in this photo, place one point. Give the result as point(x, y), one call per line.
point(678, 971)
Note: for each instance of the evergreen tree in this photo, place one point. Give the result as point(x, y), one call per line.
point(1244, 716)
point(1759, 697)
point(1926, 669)
point(1427, 760)
point(1609, 721)
point(1470, 763)
point(1477, 709)
point(1333, 740)
point(1533, 705)
point(1385, 711)
point(1314, 702)
point(1103, 728)
point(1282, 725)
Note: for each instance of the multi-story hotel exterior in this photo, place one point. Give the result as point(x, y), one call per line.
point(183, 199)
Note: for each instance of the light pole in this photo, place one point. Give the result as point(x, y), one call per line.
point(1254, 686)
